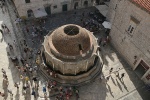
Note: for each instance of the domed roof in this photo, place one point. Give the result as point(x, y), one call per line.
point(71, 39)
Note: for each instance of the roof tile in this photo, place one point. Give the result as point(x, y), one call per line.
point(143, 3)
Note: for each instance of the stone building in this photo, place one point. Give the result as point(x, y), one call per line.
point(72, 52)
point(130, 33)
point(28, 8)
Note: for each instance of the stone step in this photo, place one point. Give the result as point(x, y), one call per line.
point(96, 71)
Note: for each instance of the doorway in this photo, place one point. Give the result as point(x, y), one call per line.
point(97, 2)
point(64, 7)
point(141, 69)
point(48, 9)
point(85, 3)
point(76, 5)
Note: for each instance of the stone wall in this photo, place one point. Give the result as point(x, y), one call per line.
point(129, 44)
point(55, 5)
point(69, 67)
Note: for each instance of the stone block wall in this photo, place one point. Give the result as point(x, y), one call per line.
point(130, 44)
point(22, 7)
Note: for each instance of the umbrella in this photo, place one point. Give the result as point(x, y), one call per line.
point(39, 13)
point(106, 24)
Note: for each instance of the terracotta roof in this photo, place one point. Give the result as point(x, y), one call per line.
point(143, 3)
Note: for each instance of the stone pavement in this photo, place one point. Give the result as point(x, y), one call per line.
point(5, 63)
point(131, 88)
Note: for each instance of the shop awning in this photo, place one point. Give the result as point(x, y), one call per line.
point(40, 13)
point(106, 24)
point(103, 9)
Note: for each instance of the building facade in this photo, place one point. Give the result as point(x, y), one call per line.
point(130, 33)
point(26, 8)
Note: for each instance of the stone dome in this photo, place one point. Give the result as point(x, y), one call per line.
point(71, 40)
point(71, 51)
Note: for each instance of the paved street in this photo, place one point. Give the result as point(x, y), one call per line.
point(130, 88)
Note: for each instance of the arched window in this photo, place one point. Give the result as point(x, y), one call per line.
point(30, 13)
point(85, 3)
point(27, 1)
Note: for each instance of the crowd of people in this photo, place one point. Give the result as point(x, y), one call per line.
point(63, 93)
point(92, 25)
point(28, 71)
point(120, 77)
point(5, 84)
point(66, 93)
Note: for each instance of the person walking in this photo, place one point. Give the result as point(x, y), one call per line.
point(100, 41)
point(27, 29)
point(110, 71)
point(4, 76)
point(4, 1)
point(30, 70)
point(57, 98)
point(1, 6)
point(1, 31)
point(26, 79)
point(101, 77)
point(35, 81)
point(45, 97)
point(107, 78)
point(3, 28)
point(16, 85)
point(104, 43)
point(3, 71)
point(2, 94)
point(77, 94)
point(5, 81)
point(9, 91)
point(4, 5)
point(122, 75)
point(6, 28)
point(117, 74)
point(44, 90)
point(24, 89)
point(10, 46)
point(33, 93)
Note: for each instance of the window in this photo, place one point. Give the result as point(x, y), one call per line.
point(132, 25)
point(27, 1)
point(55, 6)
point(130, 29)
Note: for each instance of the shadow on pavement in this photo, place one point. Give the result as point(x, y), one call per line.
point(138, 83)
